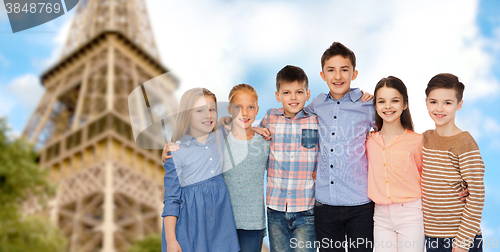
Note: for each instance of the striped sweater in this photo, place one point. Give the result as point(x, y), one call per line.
point(449, 162)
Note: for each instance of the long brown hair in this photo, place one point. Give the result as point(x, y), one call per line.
point(183, 120)
point(396, 83)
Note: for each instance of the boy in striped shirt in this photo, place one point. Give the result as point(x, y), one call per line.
point(451, 158)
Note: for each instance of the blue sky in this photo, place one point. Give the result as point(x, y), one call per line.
point(217, 44)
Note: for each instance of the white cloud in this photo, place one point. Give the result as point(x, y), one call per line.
point(24, 91)
point(57, 44)
point(213, 44)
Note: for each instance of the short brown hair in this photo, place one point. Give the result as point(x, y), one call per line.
point(448, 81)
point(335, 49)
point(289, 74)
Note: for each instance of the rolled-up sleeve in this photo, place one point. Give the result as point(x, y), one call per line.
point(172, 199)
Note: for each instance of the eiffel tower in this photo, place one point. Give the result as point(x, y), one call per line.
point(110, 190)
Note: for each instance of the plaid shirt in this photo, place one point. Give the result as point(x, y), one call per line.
point(292, 161)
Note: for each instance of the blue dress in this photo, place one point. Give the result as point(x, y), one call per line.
point(195, 192)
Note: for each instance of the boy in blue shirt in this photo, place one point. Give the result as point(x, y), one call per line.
point(342, 206)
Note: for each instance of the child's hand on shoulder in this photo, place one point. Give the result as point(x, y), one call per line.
point(168, 148)
point(263, 131)
point(366, 96)
point(225, 121)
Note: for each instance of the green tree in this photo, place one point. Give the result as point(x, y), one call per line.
point(150, 243)
point(20, 179)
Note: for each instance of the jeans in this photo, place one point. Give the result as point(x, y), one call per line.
point(250, 240)
point(433, 244)
point(291, 231)
point(333, 223)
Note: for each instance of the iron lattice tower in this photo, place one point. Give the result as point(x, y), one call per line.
point(109, 190)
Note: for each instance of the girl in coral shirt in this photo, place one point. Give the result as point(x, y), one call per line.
point(394, 168)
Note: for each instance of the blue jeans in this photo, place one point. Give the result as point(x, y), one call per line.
point(446, 244)
point(291, 231)
point(333, 223)
point(250, 240)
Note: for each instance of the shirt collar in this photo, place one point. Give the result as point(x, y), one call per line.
point(187, 140)
point(355, 94)
point(300, 114)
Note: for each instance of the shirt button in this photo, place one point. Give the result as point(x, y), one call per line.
point(331, 150)
point(333, 133)
point(212, 171)
point(293, 138)
point(291, 156)
point(288, 192)
point(210, 159)
point(206, 147)
point(335, 117)
point(331, 182)
point(338, 102)
point(331, 166)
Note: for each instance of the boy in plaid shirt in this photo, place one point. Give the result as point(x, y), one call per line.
point(292, 162)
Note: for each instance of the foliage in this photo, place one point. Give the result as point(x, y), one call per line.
point(150, 243)
point(20, 180)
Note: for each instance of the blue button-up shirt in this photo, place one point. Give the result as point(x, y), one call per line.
point(343, 168)
point(193, 162)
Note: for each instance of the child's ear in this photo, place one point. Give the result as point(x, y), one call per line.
point(459, 106)
point(354, 75)
point(257, 110)
point(277, 96)
point(308, 95)
point(322, 74)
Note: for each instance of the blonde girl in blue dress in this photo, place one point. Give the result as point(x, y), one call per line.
point(197, 214)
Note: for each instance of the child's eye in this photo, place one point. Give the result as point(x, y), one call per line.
point(395, 101)
point(344, 70)
point(448, 103)
point(330, 70)
point(237, 107)
point(252, 107)
point(432, 102)
point(285, 92)
point(212, 109)
point(380, 102)
point(300, 92)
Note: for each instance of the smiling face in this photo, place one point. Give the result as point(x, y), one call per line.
point(293, 97)
point(442, 104)
point(338, 73)
point(243, 109)
point(389, 105)
point(203, 116)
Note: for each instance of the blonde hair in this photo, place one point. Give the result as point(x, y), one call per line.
point(183, 120)
point(242, 88)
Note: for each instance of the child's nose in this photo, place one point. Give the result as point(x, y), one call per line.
point(336, 75)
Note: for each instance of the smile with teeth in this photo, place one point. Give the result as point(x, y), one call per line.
point(439, 115)
point(244, 120)
point(294, 104)
point(338, 83)
point(389, 112)
point(207, 123)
